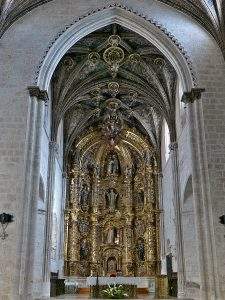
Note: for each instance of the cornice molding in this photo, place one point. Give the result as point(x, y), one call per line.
point(34, 91)
point(194, 94)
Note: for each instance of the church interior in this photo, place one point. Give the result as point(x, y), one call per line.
point(112, 169)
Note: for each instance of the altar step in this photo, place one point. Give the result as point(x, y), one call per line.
point(84, 297)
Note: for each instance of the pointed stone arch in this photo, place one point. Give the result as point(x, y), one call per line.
point(124, 16)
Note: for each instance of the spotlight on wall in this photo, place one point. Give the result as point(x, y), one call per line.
point(5, 219)
point(222, 219)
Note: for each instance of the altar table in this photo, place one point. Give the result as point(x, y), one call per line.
point(138, 281)
point(130, 284)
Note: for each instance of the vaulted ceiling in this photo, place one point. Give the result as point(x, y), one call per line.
point(114, 81)
point(209, 13)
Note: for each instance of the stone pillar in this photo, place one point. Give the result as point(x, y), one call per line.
point(161, 223)
point(203, 220)
point(179, 236)
point(50, 196)
point(30, 285)
point(62, 225)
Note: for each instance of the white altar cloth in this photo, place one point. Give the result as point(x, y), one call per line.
point(138, 281)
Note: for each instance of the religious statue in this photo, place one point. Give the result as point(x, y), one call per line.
point(141, 250)
point(112, 196)
point(84, 195)
point(140, 199)
point(83, 226)
point(111, 265)
point(84, 250)
point(113, 165)
point(112, 236)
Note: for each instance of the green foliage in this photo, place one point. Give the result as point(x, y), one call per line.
point(115, 292)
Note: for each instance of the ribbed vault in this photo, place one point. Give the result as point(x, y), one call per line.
point(114, 71)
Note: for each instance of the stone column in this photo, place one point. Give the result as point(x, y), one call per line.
point(159, 222)
point(62, 225)
point(179, 236)
point(203, 219)
point(50, 196)
point(161, 216)
point(28, 282)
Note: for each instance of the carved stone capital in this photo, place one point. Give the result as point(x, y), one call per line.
point(194, 94)
point(173, 146)
point(34, 91)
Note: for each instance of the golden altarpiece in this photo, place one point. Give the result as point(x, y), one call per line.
point(112, 214)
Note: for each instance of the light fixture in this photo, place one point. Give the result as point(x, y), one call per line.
point(5, 219)
point(222, 219)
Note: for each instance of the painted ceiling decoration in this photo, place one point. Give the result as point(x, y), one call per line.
point(209, 13)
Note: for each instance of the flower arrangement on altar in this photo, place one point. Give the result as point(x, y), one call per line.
point(115, 292)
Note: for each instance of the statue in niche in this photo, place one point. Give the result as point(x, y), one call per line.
point(141, 250)
point(140, 199)
point(111, 199)
point(113, 165)
point(83, 226)
point(111, 265)
point(139, 227)
point(84, 250)
point(84, 195)
point(112, 236)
